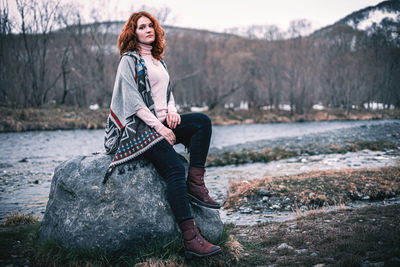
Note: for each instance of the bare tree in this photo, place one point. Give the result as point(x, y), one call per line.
point(5, 36)
point(38, 19)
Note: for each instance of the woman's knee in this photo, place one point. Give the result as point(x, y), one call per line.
point(202, 119)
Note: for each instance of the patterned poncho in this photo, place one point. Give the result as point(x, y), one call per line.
point(126, 135)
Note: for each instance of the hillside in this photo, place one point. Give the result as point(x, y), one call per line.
point(383, 17)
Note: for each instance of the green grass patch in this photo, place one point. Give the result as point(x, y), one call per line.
point(19, 246)
point(277, 153)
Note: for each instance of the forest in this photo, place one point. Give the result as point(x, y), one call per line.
point(54, 58)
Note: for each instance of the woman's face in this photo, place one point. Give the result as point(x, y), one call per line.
point(145, 31)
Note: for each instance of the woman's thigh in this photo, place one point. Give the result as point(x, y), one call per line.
point(190, 124)
point(165, 159)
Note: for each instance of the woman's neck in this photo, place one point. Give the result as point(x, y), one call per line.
point(145, 50)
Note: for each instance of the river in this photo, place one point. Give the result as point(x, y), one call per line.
point(28, 159)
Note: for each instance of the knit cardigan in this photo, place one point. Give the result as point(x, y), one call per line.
point(126, 135)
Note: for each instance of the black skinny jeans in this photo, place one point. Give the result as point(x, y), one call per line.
point(194, 130)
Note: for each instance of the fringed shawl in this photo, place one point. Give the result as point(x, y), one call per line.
point(126, 135)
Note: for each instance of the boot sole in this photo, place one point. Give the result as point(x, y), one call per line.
point(190, 254)
point(198, 201)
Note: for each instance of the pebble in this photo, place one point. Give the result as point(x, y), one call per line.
point(264, 192)
point(301, 251)
point(313, 254)
point(284, 246)
point(265, 199)
point(319, 265)
point(372, 264)
point(246, 210)
point(276, 207)
point(23, 160)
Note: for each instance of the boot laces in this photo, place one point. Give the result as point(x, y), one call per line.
point(201, 234)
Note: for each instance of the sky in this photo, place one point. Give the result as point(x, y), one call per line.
point(218, 15)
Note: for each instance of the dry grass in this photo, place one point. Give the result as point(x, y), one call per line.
point(160, 263)
point(19, 218)
point(234, 248)
point(320, 188)
point(232, 253)
point(229, 116)
point(54, 118)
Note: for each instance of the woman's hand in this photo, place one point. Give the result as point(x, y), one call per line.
point(173, 119)
point(168, 134)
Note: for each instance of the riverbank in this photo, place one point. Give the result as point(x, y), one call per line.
point(67, 118)
point(346, 237)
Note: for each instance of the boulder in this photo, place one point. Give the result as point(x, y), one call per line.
point(129, 211)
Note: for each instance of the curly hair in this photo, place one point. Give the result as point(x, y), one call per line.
point(128, 41)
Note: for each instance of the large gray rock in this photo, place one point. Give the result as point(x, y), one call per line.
point(129, 211)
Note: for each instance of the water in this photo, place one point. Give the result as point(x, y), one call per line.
point(28, 159)
point(238, 134)
point(45, 146)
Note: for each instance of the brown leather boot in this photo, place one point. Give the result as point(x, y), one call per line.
point(197, 190)
point(195, 243)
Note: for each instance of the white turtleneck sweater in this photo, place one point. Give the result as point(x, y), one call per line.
point(159, 79)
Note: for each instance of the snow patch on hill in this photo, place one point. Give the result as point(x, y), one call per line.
point(374, 17)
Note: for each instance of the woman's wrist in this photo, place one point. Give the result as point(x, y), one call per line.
point(159, 127)
point(172, 109)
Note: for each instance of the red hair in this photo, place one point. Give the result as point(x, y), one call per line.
point(128, 41)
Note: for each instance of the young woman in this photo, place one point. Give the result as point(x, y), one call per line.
point(143, 120)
